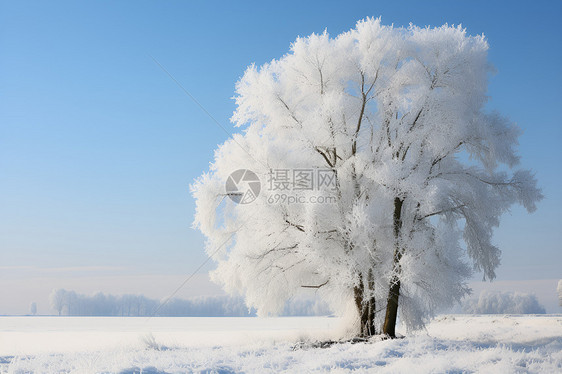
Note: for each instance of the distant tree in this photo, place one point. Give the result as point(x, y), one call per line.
point(57, 299)
point(99, 304)
point(503, 303)
point(33, 308)
point(72, 304)
point(560, 292)
point(126, 306)
point(397, 115)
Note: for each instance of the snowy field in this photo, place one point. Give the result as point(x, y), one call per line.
point(451, 344)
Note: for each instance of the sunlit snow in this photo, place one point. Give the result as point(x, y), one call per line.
point(493, 343)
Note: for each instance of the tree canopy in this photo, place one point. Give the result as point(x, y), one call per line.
point(422, 173)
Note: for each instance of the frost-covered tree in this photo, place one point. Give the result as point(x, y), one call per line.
point(397, 114)
point(33, 308)
point(560, 292)
point(503, 303)
point(57, 299)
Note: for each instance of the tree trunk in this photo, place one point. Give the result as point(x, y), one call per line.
point(365, 303)
point(389, 326)
point(371, 304)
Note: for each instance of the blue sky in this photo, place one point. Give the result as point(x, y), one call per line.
point(98, 146)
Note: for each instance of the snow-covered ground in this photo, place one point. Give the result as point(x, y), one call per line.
point(453, 344)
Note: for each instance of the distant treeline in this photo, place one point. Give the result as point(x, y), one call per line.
point(503, 303)
point(70, 303)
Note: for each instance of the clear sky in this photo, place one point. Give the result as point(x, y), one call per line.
point(98, 146)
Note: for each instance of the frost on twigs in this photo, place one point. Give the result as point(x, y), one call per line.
point(149, 342)
point(381, 176)
point(304, 345)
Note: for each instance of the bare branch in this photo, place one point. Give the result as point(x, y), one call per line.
point(439, 159)
point(272, 250)
point(415, 120)
point(363, 103)
point(317, 286)
point(325, 156)
point(509, 183)
point(295, 225)
point(289, 110)
point(441, 212)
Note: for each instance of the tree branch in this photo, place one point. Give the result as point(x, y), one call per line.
point(289, 110)
point(325, 156)
point(297, 226)
point(439, 159)
point(318, 286)
point(441, 212)
point(363, 103)
point(272, 250)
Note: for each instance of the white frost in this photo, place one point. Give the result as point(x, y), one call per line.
point(483, 344)
point(396, 113)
